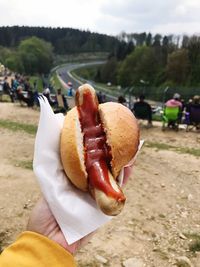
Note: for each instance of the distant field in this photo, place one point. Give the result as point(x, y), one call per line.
point(39, 82)
point(80, 57)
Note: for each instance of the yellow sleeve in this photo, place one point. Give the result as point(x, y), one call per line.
point(32, 249)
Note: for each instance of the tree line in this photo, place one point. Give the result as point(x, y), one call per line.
point(63, 40)
point(31, 56)
point(136, 60)
point(31, 50)
point(153, 62)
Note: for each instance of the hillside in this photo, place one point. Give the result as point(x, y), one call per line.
point(64, 40)
point(160, 222)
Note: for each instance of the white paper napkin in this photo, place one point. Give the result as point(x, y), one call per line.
point(75, 211)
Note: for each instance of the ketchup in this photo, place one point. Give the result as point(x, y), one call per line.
point(97, 153)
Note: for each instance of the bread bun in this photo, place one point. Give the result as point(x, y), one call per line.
point(118, 129)
point(122, 135)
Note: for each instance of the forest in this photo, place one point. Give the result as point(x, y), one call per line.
point(135, 60)
point(153, 63)
point(63, 40)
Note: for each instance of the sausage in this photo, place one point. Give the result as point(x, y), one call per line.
point(97, 154)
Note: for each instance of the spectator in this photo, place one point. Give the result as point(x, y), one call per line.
point(46, 93)
point(35, 97)
point(122, 100)
point(187, 106)
point(35, 85)
point(29, 100)
point(196, 101)
point(142, 110)
point(7, 90)
point(61, 101)
point(103, 98)
point(193, 112)
point(100, 97)
point(30, 97)
point(70, 90)
point(174, 102)
point(27, 84)
point(15, 83)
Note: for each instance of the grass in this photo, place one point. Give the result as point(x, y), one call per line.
point(195, 241)
point(25, 164)
point(80, 57)
point(156, 117)
point(79, 74)
point(183, 150)
point(55, 81)
point(5, 98)
point(17, 126)
point(159, 146)
point(39, 82)
point(191, 151)
point(88, 264)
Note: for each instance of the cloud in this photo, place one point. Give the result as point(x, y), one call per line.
point(62, 13)
point(112, 17)
point(138, 15)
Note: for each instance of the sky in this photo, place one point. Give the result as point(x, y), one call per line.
point(104, 16)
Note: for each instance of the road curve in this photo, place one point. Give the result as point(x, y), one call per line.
point(64, 72)
point(65, 75)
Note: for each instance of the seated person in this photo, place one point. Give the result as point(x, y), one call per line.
point(174, 102)
point(29, 100)
point(142, 110)
point(61, 102)
point(194, 111)
point(195, 103)
point(47, 94)
point(100, 97)
point(7, 89)
point(122, 100)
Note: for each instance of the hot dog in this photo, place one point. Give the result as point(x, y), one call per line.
point(97, 141)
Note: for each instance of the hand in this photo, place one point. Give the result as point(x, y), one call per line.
point(43, 222)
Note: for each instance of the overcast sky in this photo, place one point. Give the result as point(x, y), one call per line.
point(104, 16)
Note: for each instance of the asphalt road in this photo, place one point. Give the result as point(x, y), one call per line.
point(64, 73)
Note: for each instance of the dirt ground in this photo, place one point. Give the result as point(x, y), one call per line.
point(161, 220)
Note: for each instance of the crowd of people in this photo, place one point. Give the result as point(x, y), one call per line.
point(20, 89)
point(187, 113)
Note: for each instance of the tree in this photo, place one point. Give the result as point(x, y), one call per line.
point(14, 63)
point(178, 66)
point(139, 38)
point(157, 40)
point(149, 39)
point(123, 49)
point(165, 50)
point(185, 41)
point(36, 55)
point(194, 58)
point(4, 53)
point(108, 72)
point(64, 40)
point(139, 65)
